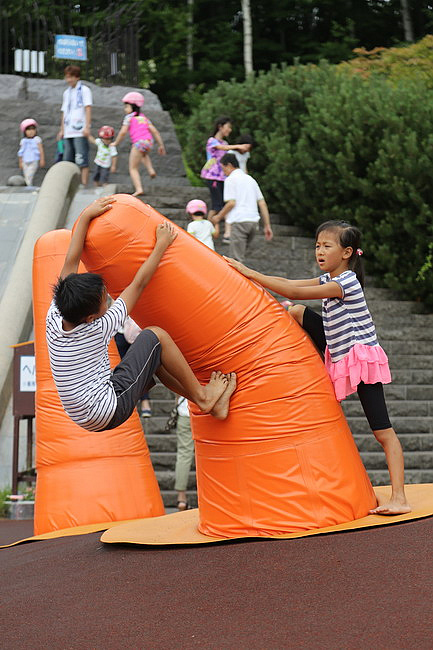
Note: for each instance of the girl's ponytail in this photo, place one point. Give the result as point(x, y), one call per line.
point(350, 236)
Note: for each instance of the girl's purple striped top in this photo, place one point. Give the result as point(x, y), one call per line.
point(346, 320)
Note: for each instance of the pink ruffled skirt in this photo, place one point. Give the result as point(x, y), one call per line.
point(367, 363)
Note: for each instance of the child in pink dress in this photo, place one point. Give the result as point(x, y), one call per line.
point(346, 335)
point(142, 133)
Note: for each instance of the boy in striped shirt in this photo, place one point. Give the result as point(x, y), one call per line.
point(79, 327)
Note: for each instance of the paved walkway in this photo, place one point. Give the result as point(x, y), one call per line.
point(363, 590)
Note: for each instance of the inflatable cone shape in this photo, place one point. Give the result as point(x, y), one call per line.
point(284, 460)
point(83, 477)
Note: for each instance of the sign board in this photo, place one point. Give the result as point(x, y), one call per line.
point(27, 374)
point(24, 380)
point(70, 47)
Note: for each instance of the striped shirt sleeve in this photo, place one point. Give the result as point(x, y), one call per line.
point(113, 319)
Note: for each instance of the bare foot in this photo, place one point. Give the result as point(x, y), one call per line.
point(138, 193)
point(152, 174)
point(392, 507)
point(221, 408)
point(212, 391)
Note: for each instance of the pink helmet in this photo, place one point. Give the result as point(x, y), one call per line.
point(196, 205)
point(106, 132)
point(26, 123)
point(133, 98)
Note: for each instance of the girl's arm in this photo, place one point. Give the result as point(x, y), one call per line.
point(156, 134)
point(41, 151)
point(293, 289)
point(228, 147)
point(123, 131)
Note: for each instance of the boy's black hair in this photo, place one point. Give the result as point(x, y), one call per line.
point(219, 123)
point(245, 138)
point(349, 236)
point(229, 159)
point(79, 295)
point(135, 108)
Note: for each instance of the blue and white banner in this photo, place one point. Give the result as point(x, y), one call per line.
point(70, 47)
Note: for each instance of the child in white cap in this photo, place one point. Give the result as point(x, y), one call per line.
point(200, 227)
point(31, 152)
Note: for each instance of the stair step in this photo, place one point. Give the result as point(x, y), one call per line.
point(402, 425)
point(165, 460)
point(412, 460)
point(409, 442)
point(165, 479)
point(169, 498)
point(411, 476)
point(416, 408)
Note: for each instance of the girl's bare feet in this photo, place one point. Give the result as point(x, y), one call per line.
point(212, 391)
point(395, 506)
point(221, 408)
point(138, 193)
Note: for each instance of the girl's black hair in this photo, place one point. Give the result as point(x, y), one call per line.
point(219, 123)
point(349, 236)
point(135, 108)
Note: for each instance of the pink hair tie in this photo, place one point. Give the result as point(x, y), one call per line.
point(359, 251)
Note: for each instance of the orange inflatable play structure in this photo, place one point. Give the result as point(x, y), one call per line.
point(83, 477)
point(284, 460)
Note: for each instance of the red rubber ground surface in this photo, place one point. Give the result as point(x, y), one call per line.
point(357, 590)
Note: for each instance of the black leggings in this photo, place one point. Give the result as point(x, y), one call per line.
point(370, 395)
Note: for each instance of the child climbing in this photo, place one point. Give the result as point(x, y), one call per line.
point(31, 152)
point(142, 133)
point(79, 327)
point(346, 335)
point(200, 227)
point(106, 155)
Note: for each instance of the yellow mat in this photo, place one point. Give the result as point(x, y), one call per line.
point(181, 527)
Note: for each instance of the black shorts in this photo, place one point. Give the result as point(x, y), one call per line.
point(371, 396)
point(216, 189)
point(101, 174)
point(133, 376)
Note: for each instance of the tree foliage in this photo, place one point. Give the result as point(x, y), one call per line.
point(335, 146)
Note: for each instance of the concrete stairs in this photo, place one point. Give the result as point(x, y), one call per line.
point(404, 331)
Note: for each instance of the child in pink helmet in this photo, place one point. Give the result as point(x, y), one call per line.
point(142, 133)
point(200, 227)
point(106, 155)
point(31, 152)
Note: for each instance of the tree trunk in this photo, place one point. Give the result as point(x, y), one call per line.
point(189, 40)
point(407, 21)
point(248, 37)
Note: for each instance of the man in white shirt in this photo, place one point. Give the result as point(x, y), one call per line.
point(243, 201)
point(76, 121)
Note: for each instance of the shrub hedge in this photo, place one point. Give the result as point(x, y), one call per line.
point(332, 145)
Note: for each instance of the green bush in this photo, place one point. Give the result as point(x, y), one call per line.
point(331, 145)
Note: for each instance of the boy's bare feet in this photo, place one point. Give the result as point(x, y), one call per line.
point(395, 506)
point(212, 391)
point(221, 408)
point(138, 193)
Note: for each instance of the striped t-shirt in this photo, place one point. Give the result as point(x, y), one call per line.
point(80, 365)
point(346, 320)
